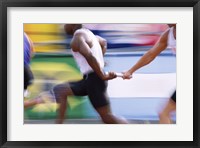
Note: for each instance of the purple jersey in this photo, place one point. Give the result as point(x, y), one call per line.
point(27, 51)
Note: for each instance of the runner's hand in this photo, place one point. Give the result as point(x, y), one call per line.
point(110, 76)
point(127, 75)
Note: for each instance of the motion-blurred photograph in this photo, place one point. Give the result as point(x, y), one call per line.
point(99, 73)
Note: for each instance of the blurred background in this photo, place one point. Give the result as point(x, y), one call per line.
point(139, 99)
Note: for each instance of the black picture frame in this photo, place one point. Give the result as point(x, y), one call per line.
point(4, 4)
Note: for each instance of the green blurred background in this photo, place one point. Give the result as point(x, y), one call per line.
point(51, 65)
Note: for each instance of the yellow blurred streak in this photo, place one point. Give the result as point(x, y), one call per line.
point(45, 107)
point(44, 33)
point(43, 28)
point(51, 66)
point(59, 71)
point(73, 103)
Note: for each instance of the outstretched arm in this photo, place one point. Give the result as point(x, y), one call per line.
point(149, 56)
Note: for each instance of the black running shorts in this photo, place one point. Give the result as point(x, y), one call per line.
point(28, 77)
point(94, 87)
point(174, 97)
